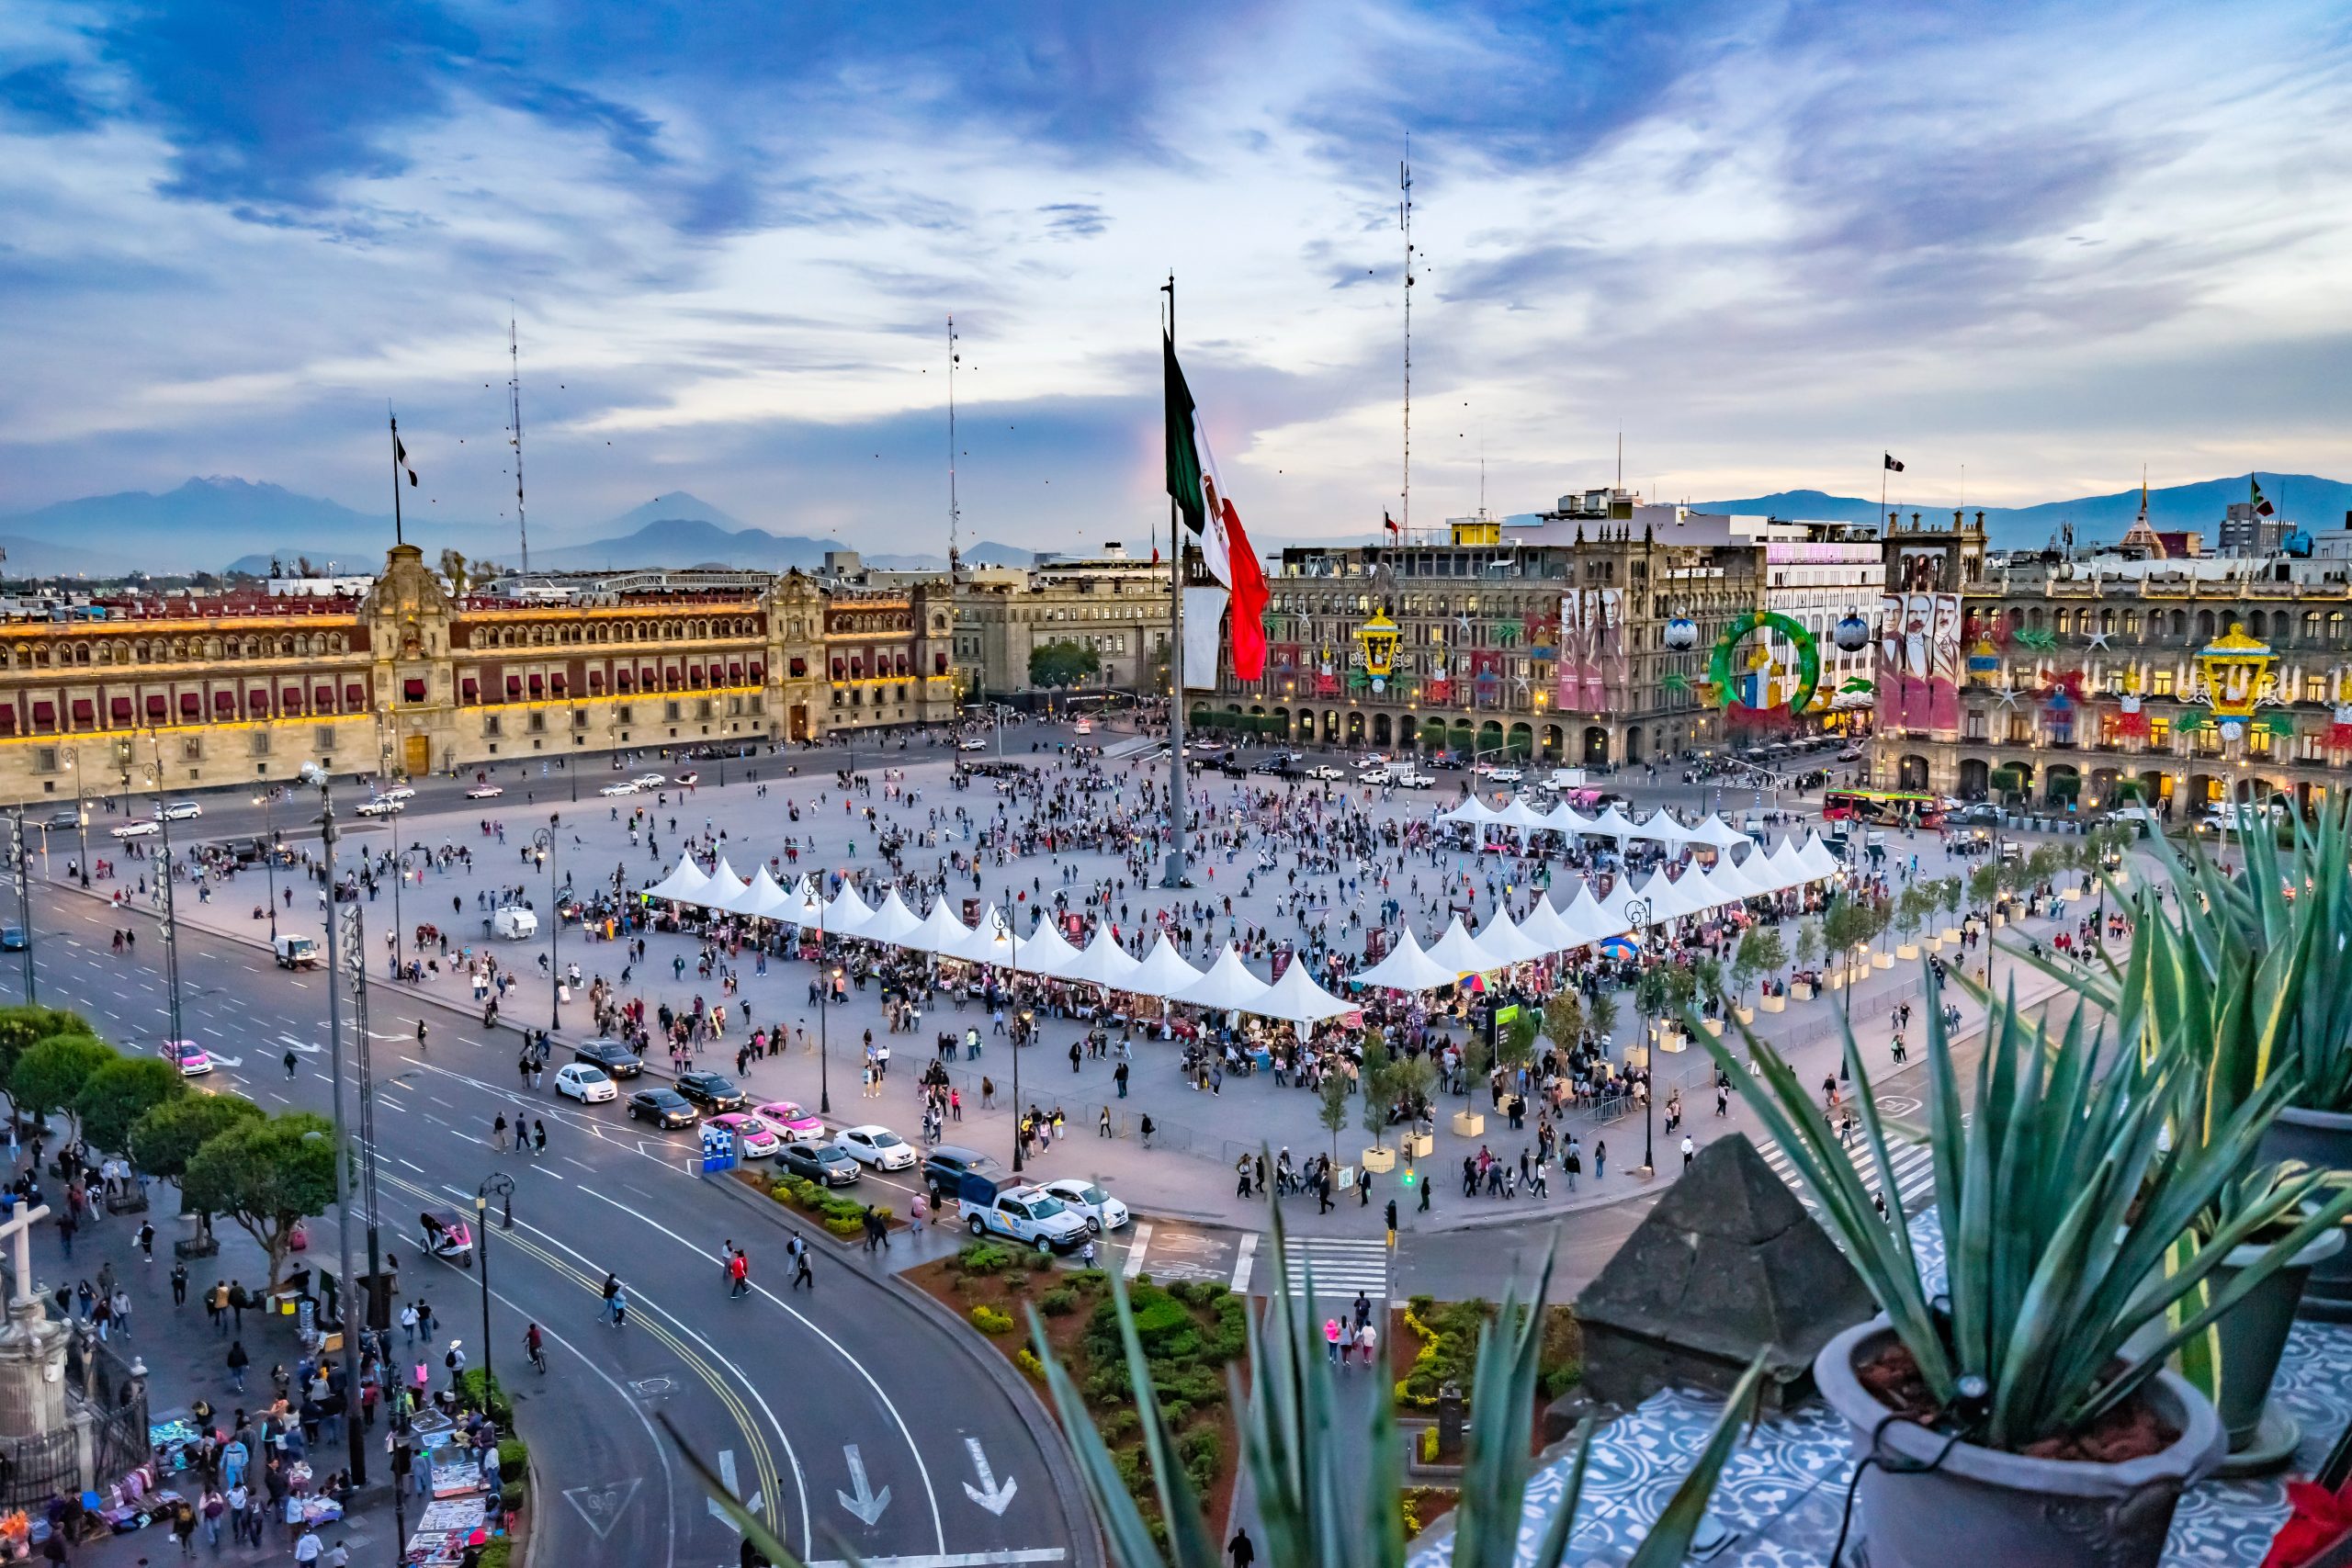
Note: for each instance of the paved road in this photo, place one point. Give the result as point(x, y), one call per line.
point(799, 1396)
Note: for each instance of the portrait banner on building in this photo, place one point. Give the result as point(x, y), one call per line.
point(1919, 681)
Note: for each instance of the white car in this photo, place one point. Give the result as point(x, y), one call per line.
point(484, 791)
point(179, 811)
point(138, 829)
point(1372, 759)
point(1505, 775)
point(589, 1085)
point(975, 744)
point(1325, 770)
point(398, 792)
point(382, 805)
point(1101, 1212)
point(622, 788)
point(651, 781)
point(875, 1145)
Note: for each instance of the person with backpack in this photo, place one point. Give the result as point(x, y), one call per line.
point(455, 1360)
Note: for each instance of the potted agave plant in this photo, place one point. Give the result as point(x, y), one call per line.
point(1322, 1500)
point(2015, 1417)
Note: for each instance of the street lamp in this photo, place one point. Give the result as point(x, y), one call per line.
point(1021, 1025)
point(267, 800)
point(162, 860)
point(1637, 915)
point(499, 1185)
point(81, 813)
point(23, 866)
point(543, 842)
point(314, 774)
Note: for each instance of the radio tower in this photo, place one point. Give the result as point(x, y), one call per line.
point(514, 412)
point(1405, 221)
point(954, 514)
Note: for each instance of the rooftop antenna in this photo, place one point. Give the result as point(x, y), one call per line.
point(1405, 221)
point(1621, 460)
point(954, 514)
point(514, 412)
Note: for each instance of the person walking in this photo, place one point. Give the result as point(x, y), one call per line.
point(1239, 1551)
point(238, 1361)
point(1689, 1151)
point(800, 1274)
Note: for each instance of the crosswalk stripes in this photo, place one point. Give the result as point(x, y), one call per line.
point(1343, 1266)
point(1914, 1165)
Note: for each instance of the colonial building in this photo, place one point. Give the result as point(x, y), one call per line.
point(2095, 679)
point(1583, 638)
point(188, 691)
point(1116, 606)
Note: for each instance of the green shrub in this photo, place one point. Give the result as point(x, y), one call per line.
point(1038, 1262)
point(1177, 1411)
point(1027, 1360)
point(1201, 1440)
point(1203, 1471)
point(1058, 1303)
point(1089, 1279)
point(485, 1393)
point(1119, 1424)
point(987, 1320)
point(845, 1225)
point(981, 1258)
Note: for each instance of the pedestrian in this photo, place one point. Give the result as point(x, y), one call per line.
point(800, 1274)
point(498, 1131)
point(1331, 1339)
point(1599, 1158)
point(454, 1358)
point(1689, 1151)
point(238, 1362)
point(293, 1063)
point(147, 1244)
point(179, 1284)
point(1392, 1225)
point(216, 1306)
point(408, 1322)
point(538, 1137)
point(1368, 1341)
point(1239, 1551)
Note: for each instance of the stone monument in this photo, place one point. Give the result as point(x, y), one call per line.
point(32, 1348)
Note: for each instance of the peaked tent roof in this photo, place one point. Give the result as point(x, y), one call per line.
point(1296, 999)
point(940, 932)
point(724, 889)
point(992, 941)
point(1407, 968)
point(892, 921)
point(1567, 819)
point(1459, 951)
point(1544, 925)
point(1715, 831)
point(684, 885)
point(1471, 810)
point(848, 914)
point(1163, 971)
point(801, 905)
point(764, 897)
point(1816, 859)
point(1612, 823)
point(1517, 815)
point(1047, 952)
point(1228, 984)
point(1502, 937)
point(1105, 962)
point(1591, 920)
point(1662, 825)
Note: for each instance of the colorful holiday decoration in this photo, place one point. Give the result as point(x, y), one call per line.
point(1761, 693)
point(1377, 639)
point(2339, 733)
point(2236, 672)
point(2132, 724)
point(1852, 633)
point(2040, 639)
point(1681, 634)
point(1983, 657)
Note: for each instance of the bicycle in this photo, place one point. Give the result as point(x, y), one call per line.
point(533, 1347)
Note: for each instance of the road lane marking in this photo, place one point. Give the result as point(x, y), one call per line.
point(1011, 1554)
point(1138, 1247)
point(1244, 1256)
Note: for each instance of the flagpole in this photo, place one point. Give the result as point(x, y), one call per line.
point(1173, 877)
point(397, 536)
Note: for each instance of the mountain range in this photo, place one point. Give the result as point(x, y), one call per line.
point(216, 524)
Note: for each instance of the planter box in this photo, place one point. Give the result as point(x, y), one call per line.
point(1834, 980)
point(197, 1247)
point(1745, 1015)
point(1883, 960)
point(1468, 1124)
point(1379, 1161)
point(1714, 1026)
point(1999, 919)
point(1801, 991)
point(1968, 1508)
point(1951, 934)
point(2321, 1139)
point(1420, 1145)
point(1909, 952)
point(1774, 1004)
point(2071, 895)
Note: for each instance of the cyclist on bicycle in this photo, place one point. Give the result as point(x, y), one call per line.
point(532, 1345)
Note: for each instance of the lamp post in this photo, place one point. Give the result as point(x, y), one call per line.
point(1637, 914)
point(1021, 1023)
point(543, 843)
point(312, 773)
point(23, 866)
point(267, 800)
point(499, 1185)
point(81, 813)
point(163, 862)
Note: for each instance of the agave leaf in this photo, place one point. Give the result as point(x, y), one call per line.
point(754, 1528)
point(1669, 1539)
point(1554, 1546)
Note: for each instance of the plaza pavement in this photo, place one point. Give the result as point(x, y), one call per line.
point(1187, 1173)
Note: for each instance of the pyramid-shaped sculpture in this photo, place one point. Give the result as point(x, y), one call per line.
point(1726, 1264)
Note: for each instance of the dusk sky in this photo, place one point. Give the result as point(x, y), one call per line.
point(2048, 242)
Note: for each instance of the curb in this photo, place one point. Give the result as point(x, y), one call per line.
point(1086, 1543)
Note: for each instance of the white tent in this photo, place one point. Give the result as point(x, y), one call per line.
point(1720, 834)
point(1736, 880)
point(892, 923)
point(1407, 968)
point(684, 885)
point(1788, 865)
point(802, 907)
point(1229, 985)
point(1471, 810)
point(1591, 921)
point(1612, 823)
point(1670, 899)
point(1516, 815)
point(1662, 825)
point(1544, 927)
point(1105, 962)
point(1163, 971)
point(1297, 1001)
point(1816, 859)
point(723, 889)
point(1502, 937)
point(940, 932)
point(847, 914)
point(1046, 953)
point(1567, 819)
point(763, 898)
point(992, 941)
point(1459, 951)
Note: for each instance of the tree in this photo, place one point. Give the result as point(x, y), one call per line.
point(1373, 1077)
point(1911, 911)
point(1984, 885)
point(165, 1139)
point(1517, 1045)
point(1412, 1081)
point(453, 567)
point(1950, 893)
point(23, 1027)
point(1332, 1108)
point(1809, 945)
point(268, 1176)
point(1564, 1019)
point(1063, 664)
point(1601, 1016)
point(119, 1092)
point(1849, 924)
point(1706, 973)
point(1651, 998)
point(1760, 952)
point(48, 1077)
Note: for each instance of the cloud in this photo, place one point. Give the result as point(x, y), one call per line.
point(1073, 220)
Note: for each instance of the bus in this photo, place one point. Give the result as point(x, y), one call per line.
point(1885, 805)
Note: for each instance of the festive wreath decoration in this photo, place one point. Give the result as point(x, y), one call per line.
point(1719, 672)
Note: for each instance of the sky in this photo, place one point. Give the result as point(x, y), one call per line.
point(2026, 247)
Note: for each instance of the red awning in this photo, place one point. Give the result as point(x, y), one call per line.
point(290, 700)
point(939, 662)
point(513, 685)
point(226, 702)
point(837, 668)
point(82, 712)
point(595, 679)
point(158, 707)
point(123, 713)
point(471, 687)
point(322, 696)
point(677, 677)
point(647, 679)
point(693, 674)
point(7, 718)
point(556, 683)
point(624, 681)
point(735, 673)
point(191, 705)
point(44, 713)
point(257, 701)
point(414, 688)
point(800, 667)
point(755, 672)
point(355, 696)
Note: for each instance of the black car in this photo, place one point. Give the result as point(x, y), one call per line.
point(13, 939)
point(944, 1168)
point(617, 1059)
point(665, 1108)
point(65, 819)
point(712, 1091)
point(817, 1162)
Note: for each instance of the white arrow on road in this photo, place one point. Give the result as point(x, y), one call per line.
point(302, 1045)
point(727, 1474)
point(988, 1494)
point(220, 1061)
point(866, 1505)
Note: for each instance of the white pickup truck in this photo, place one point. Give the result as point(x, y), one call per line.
point(1028, 1214)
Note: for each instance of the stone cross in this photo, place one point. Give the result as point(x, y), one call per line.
point(19, 1228)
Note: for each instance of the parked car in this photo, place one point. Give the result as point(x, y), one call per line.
point(754, 1139)
point(665, 1108)
point(64, 821)
point(624, 787)
point(712, 1091)
point(787, 1117)
point(1028, 1214)
point(1099, 1209)
point(875, 1145)
point(651, 781)
point(1325, 770)
point(821, 1163)
point(588, 1084)
point(611, 1056)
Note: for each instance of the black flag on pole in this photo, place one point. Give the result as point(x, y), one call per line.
point(1892, 467)
point(400, 455)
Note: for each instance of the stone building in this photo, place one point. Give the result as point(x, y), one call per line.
point(142, 694)
point(2077, 680)
point(1116, 606)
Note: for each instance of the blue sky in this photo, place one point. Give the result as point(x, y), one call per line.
point(2028, 247)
